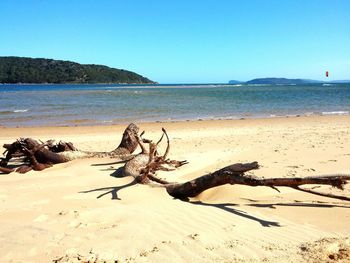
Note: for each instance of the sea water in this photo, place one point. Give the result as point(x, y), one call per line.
point(56, 105)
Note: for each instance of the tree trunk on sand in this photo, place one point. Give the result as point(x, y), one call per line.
point(234, 174)
point(41, 155)
point(123, 152)
point(129, 141)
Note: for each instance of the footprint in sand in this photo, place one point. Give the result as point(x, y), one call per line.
point(62, 213)
point(291, 173)
point(145, 253)
point(194, 236)
point(309, 170)
point(231, 244)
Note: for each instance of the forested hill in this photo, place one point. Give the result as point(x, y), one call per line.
point(40, 70)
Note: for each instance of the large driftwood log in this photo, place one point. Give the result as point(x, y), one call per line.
point(145, 165)
point(123, 152)
point(38, 155)
point(234, 174)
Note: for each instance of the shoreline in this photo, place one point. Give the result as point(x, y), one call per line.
point(79, 123)
point(189, 121)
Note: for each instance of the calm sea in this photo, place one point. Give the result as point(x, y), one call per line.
point(34, 105)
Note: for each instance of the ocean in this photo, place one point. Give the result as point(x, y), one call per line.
point(69, 105)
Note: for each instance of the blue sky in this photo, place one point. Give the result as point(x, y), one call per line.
point(185, 41)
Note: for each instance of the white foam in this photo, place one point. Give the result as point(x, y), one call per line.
point(335, 112)
point(17, 111)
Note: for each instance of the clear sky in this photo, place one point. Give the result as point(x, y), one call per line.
point(185, 41)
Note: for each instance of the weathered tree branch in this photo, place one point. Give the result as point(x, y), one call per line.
point(234, 174)
point(340, 197)
point(144, 165)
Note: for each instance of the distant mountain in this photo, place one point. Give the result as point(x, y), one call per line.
point(41, 70)
point(235, 82)
point(285, 81)
point(274, 81)
point(340, 81)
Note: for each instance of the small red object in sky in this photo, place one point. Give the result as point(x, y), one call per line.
point(327, 73)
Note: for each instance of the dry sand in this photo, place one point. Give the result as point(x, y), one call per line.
point(79, 212)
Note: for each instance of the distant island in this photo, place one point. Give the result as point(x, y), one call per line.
point(40, 70)
point(281, 81)
point(284, 81)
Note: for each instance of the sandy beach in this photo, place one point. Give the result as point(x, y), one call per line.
point(83, 212)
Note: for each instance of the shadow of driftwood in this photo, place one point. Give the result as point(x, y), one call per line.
point(118, 173)
point(227, 207)
point(102, 164)
point(298, 204)
point(11, 165)
point(113, 190)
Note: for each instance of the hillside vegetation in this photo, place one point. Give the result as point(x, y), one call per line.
point(40, 70)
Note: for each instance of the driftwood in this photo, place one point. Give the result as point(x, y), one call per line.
point(234, 174)
point(123, 152)
point(38, 155)
point(25, 148)
point(126, 147)
point(144, 165)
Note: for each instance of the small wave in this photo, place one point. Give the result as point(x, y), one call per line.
point(19, 111)
point(335, 112)
point(260, 85)
point(285, 115)
point(281, 115)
